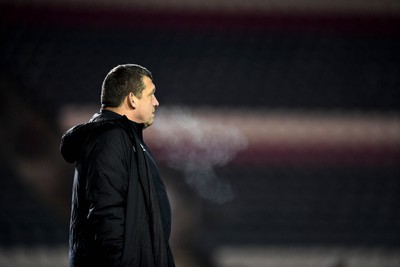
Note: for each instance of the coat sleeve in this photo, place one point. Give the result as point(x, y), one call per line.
point(106, 191)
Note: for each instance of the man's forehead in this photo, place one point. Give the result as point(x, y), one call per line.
point(148, 83)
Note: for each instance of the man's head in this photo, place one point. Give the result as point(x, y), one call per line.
point(120, 81)
point(129, 90)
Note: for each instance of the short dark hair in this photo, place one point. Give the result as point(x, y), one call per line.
point(122, 80)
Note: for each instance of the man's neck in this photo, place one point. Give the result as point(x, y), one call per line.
point(115, 110)
point(121, 111)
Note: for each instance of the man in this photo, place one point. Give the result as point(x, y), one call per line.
point(121, 214)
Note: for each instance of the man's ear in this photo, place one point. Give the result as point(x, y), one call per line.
point(131, 100)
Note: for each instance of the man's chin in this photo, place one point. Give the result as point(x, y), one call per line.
point(147, 124)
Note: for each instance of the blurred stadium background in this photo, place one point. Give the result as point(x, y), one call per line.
point(278, 133)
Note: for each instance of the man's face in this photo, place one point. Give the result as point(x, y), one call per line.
point(147, 104)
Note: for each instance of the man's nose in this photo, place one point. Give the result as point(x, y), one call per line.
point(156, 103)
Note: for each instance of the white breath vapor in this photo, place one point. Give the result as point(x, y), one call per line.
point(195, 146)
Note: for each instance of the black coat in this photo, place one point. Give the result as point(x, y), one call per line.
point(115, 218)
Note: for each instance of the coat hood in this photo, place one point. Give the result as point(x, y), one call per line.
point(74, 139)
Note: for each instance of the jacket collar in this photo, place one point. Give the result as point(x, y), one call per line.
point(136, 127)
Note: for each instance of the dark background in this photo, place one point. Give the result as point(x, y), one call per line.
point(332, 61)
